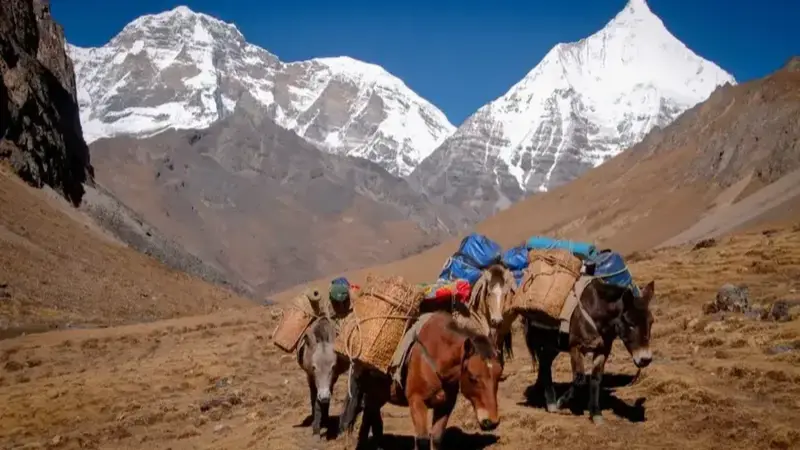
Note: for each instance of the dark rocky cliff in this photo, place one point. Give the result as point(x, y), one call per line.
point(40, 129)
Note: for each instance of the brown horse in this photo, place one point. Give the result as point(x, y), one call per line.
point(444, 359)
point(317, 357)
point(487, 302)
point(606, 311)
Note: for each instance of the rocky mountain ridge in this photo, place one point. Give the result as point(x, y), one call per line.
point(186, 70)
point(260, 204)
point(584, 103)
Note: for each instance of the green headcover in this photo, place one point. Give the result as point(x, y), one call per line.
point(339, 293)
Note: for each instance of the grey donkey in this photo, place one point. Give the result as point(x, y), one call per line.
point(316, 355)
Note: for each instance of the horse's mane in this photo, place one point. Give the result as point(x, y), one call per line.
point(324, 331)
point(496, 270)
point(607, 291)
point(483, 345)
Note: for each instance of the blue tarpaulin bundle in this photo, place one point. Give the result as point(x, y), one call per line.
point(583, 250)
point(516, 259)
point(475, 253)
point(610, 267)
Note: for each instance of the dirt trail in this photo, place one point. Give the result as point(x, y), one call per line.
point(217, 382)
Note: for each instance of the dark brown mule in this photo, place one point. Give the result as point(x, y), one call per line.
point(444, 360)
point(609, 311)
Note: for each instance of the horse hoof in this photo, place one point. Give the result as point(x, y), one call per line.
point(552, 407)
point(598, 419)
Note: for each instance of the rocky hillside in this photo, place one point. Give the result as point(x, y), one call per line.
point(727, 164)
point(584, 103)
point(186, 70)
point(60, 269)
point(264, 206)
point(130, 228)
point(40, 129)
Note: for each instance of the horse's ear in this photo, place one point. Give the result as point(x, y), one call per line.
point(469, 349)
point(648, 291)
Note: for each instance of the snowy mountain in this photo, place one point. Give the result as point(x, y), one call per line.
point(181, 69)
point(584, 103)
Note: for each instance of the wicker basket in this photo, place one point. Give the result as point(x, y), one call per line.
point(547, 281)
point(381, 314)
point(300, 314)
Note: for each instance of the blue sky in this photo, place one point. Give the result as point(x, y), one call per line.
point(462, 54)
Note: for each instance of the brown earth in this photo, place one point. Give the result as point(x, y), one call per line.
point(729, 163)
point(59, 268)
point(218, 382)
point(264, 206)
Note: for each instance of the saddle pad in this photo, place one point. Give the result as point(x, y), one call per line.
point(400, 356)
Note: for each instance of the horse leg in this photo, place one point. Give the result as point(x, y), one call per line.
point(578, 378)
point(377, 422)
point(441, 415)
point(370, 421)
point(595, 380)
point(312, 390)
point(544, 376)
point(419, 417)
point(316, 410)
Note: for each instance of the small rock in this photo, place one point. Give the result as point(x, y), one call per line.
point(779, 312)
point(221, 428)
point(755, 313)
point(222, 382)
point(56, 440)
point(705, 243)
point(778, 349)
point(732, 298)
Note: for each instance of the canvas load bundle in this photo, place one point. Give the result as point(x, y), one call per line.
point(547, 281)
point(381, 315)
point(297, 317)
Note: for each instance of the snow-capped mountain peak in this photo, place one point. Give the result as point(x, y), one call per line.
point(183, 69)
point(585, 102)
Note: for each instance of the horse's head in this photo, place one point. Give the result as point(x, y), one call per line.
point(492, 289)
point(635, 323)
point(480, 375)
point(320, 343)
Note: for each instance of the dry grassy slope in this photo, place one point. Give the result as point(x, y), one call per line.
point(729, 163)
point(57, 267)
point(713, 385)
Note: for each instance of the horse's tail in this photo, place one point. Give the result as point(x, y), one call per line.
point(507, 346)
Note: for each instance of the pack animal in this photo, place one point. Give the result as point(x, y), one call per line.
point(486, 305)
point(317, 356)
point(606, 311)
point(444, 360)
